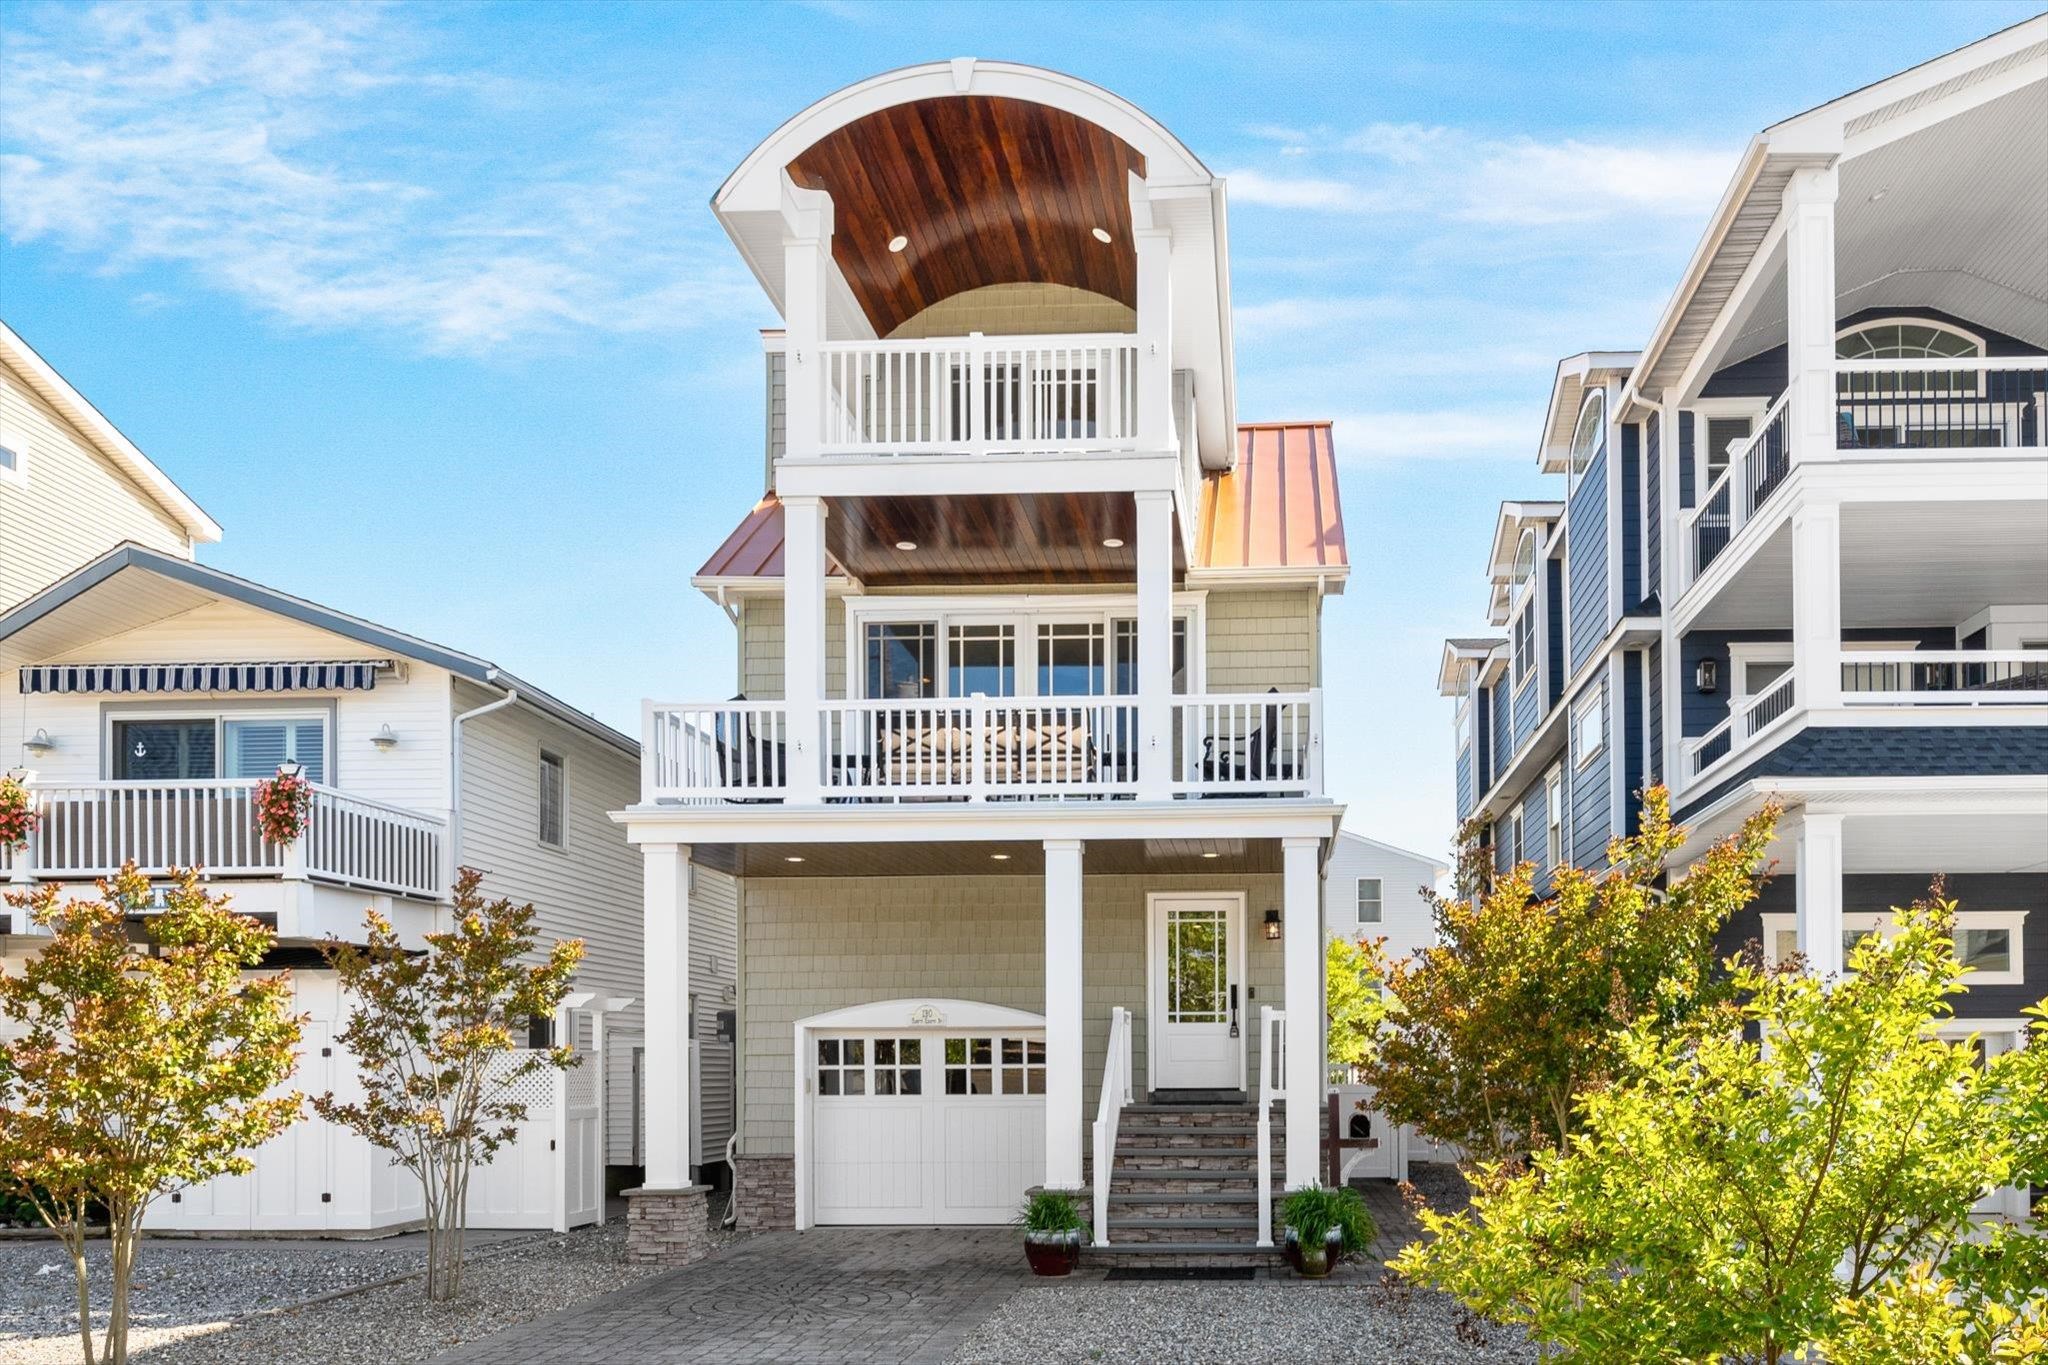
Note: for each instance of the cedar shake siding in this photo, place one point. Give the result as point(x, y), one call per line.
point(813, 944)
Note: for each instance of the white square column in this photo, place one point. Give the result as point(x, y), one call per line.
point(1152, 244)
point(1302, 982)
point(1817, 605)
point(1817, 887)
point(807, 275)
point(665, 1013)
point(1063, 1023)
point(1809, 206)
point(1155, 645)
point(803, 642)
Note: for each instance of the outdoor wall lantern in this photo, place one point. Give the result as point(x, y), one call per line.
point(385, 739)
point(1273, 924)
point(39, 744)
point(1707, 676)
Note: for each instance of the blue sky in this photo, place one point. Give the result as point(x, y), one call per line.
point(425, 305)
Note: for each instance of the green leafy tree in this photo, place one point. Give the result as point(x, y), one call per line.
point(1351, 998)
point(1521, 1003)
point(436, 1037)
point(1737, 1198)
point(137, 1073)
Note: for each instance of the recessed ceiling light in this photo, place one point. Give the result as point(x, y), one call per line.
point(1112, 543)
point(1000, 857)
point(1101, 234)
point(898, 242)
point(794, 858)
point(1212, 855)
point(906, 545)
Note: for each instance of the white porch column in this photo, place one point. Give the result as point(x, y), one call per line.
point(1154, 249)
point(1063, 1079)
point(1817, 889)
point(666, 942)
point(1155, 645)
point(1809, 201)
point(803, 641)
point(806, 274)
point(1817, 605)
point(1302, 979)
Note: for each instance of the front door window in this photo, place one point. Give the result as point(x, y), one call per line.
point(1197, 977)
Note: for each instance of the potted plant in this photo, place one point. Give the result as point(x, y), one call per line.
point(1323, 1227)
point(1052, 1232)
point(282, 804)
point(17, 810)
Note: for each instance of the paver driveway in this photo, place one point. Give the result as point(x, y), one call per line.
point(834, 1294)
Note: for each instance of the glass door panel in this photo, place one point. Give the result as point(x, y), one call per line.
point(164, 750)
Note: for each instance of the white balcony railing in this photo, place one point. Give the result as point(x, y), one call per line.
point(976, 394)
point(983, 748)
point(1970, 677)
point(1747, 719)
point(1919, 406)
point(90, 829)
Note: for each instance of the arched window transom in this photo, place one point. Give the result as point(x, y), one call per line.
point(1591, 433)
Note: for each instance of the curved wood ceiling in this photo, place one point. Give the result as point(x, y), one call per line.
point(989, 190)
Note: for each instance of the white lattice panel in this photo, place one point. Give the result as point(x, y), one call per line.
point(583, 1081)
point(535, 1090)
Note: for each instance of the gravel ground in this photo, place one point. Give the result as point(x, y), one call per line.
point(504, 1285)
point(1441, 1184)
point(1249, 1323)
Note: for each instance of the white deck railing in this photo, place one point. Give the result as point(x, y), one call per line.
point(1747, 719)
point(976, 394)
point(1755, 469)
point(1272, 1087)
point(1109, 1109)
point(1926, 677)
point(982, 748)
point(91, 829)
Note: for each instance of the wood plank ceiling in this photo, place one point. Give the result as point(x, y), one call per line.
point(1023, 538)
point(988, 190)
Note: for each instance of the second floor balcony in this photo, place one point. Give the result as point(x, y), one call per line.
point(89, 830)
point(981, 749)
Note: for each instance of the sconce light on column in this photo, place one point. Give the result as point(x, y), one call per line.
point(1273, 924)
point(1707, 676)
point(385, 739)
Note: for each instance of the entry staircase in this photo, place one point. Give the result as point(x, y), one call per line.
point(1183, 1185)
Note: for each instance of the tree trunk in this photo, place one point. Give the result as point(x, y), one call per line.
point(73, 1237)
point(121, 1234)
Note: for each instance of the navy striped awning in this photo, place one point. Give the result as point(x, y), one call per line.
point(346, 675)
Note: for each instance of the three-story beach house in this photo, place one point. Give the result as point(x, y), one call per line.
point(1801, 549)
point(1023, 785)
point(143, 697)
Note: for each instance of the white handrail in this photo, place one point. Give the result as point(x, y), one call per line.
point(1945, 677)
point(1272, 1086)
point(1109, 1108)
point(1747, 719)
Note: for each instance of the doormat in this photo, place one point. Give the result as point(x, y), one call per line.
point(1181, 1272)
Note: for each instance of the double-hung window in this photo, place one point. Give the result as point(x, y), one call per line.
point(1371, 901)
point(1525, 646)
point(1553, 807)
point(1589, 727)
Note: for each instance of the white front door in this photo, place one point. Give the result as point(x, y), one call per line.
point(1196, 992)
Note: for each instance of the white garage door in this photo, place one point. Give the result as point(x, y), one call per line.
point(925, 1126)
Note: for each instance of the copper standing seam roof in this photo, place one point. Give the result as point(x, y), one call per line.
point(1277, 509)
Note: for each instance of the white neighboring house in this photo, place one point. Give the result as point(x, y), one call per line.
point(147, 695)
point(71, 485)
point(1374, 890)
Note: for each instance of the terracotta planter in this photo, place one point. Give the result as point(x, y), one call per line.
point(1053, 1253)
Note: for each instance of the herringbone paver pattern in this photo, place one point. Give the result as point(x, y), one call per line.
point(829, 1295)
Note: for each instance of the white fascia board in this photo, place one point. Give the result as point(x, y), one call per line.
point(969, 475)
point(1326, 579)
point(980, 823)
point(1575, 373)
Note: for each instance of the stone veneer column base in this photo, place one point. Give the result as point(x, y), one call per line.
point(767, 1192)
point(667, 1227)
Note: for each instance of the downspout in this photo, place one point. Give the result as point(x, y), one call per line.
point(455, 772)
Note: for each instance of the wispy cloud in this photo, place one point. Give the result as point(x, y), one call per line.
point(1448, 434)
point(1466, 177)
point(311, 162)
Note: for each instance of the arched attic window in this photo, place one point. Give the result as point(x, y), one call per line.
point(1525, 559)
point(1906, 339)
point(1590, 435)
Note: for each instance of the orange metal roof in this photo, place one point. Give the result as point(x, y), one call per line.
point(1277, 509)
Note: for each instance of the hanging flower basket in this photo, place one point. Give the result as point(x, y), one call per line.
point(281, 807)
point(17, 814)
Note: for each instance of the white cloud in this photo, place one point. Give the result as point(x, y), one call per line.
point(1449, 434)
point(1465, 177)
point(313, 163)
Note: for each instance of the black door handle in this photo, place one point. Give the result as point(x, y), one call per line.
point(1233, 1009)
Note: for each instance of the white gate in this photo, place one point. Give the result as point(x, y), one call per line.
point(579, 1099)
point(517, 1187)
